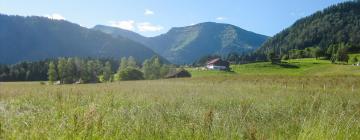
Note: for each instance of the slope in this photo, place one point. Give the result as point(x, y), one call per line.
point(184, 45)
point(37, 38)
point(336, 24)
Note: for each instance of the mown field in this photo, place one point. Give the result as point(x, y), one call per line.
point(226, 106)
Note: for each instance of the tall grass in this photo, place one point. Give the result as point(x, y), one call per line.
point(222, 107)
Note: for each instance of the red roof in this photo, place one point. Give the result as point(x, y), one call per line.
point(213, 61)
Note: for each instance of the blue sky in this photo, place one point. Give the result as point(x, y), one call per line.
point(153, 17)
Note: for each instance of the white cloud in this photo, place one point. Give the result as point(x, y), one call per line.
point(148, 27)
point(136, 26)
point(221, 18)
point(55, 16)
point(148, 12)
point(126, 24)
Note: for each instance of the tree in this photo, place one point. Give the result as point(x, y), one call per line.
point(70, 71)
point(62, 69)
point(131, 62)
point(272, 58)
point(164, 70)
point(87, 72)
point(131, 74)
point(318, 52)
point(91, 70)
point(151, 68)
point(341, 54)
point(155, 68)
point(52, 73)
point(233, 57)
point(285, 57)
point(354, 60)
point(146, 68)
point(79, 68)
point(107, 72)
point(123, 63)
point(98, 67)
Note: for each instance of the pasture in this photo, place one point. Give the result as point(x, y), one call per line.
point(214, 106)
point(295, 67)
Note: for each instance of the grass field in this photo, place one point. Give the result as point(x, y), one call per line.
point(229, 106)
point(300, 67)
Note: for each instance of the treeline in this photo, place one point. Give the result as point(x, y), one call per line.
point(85, 70)
point(336, 53)
point(24, 71)
point(76, 70)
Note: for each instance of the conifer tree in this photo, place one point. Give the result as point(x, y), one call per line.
point(52, 73)
point(131, 62)
point(123, 63)
point(62, 69)
point(107, 73)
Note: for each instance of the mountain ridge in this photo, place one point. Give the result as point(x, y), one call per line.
point(35, 38)
point(184, 45)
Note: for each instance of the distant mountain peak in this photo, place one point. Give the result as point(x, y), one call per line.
point(118, 32)
point(184, 45)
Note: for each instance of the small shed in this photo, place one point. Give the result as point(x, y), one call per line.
point(218, 64)
point(181, 73)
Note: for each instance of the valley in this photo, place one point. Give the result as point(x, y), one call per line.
point(209, 80)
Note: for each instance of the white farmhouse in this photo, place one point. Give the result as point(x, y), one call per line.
point(218, 64)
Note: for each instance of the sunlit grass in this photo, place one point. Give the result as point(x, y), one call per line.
point(220, 107)
point(295, 67)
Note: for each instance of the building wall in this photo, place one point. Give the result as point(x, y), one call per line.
point(214, 67)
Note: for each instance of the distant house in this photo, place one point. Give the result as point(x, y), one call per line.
point(218, 64)
point(182, 73)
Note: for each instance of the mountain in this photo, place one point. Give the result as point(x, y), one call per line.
point(334, 25)
point(37, 38)
point(116, 32)
point(184, 45)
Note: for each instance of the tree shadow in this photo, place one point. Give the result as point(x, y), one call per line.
point(289, 66)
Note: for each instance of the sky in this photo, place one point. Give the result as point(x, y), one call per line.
point(154, 17)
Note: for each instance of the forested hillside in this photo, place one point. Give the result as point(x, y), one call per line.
point(336, 26)
point(38, 38)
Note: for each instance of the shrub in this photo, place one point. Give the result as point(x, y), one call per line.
point(130, 74)
point(354, 60)
point(42, 83)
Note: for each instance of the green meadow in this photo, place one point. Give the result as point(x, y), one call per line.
point(314, 100)
point(296, 67)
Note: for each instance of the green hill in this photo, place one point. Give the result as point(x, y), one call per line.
point(334, 25)
point(296, 67)
point(37, 38)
